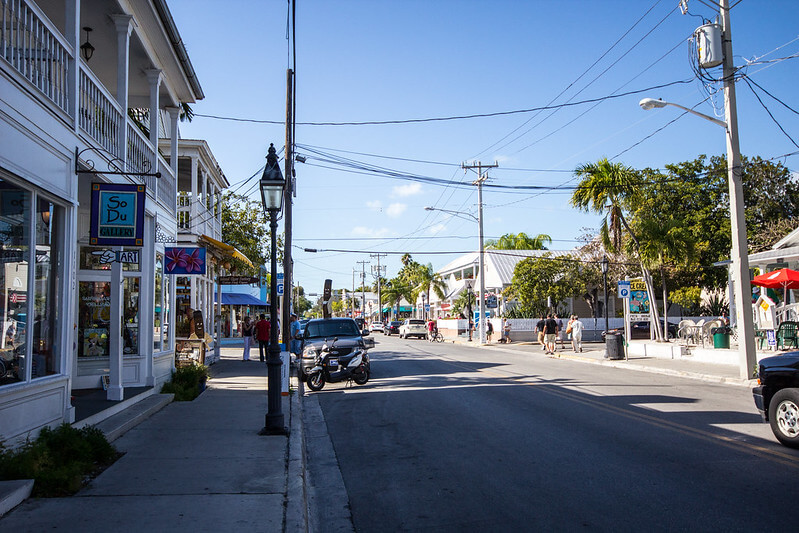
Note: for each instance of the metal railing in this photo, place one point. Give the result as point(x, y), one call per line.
point(34, 48)
point(166, 186)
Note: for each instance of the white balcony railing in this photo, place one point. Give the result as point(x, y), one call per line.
point(167, 193)
point(193, 217)
point(140, 157)
point(35, 49)
point(100, 115)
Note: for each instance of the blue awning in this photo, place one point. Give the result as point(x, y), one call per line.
point(233, 298)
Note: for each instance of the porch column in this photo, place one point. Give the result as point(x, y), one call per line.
point(154, 79)
point(174, 115)
point(124, 26)
point(193, 218)
point(115, 391)
point(72, 34)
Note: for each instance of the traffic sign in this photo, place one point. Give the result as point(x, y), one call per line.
point(624, 289)
point(427, 308)
point(280, 289)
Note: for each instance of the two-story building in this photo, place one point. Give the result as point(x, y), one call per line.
point(85, 88)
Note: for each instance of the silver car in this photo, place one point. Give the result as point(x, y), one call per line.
point(413, 327)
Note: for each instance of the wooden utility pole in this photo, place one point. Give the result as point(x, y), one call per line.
point(363, 289)
point(479, 182)
point(287, 203)
point(379, 294)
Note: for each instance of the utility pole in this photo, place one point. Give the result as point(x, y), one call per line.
point(740, 249)
point(363, 289)
point(287, 200)
point(481, 177)
point(379, 294)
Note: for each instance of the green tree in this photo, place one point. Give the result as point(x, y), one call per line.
point(244, 226)
point(538, 279)
point(394, 291)
point(425, 279)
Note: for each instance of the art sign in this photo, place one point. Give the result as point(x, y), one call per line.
point(184, 261)
point(639, 301)
point(117, 215)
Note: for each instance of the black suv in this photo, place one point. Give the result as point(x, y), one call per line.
point(340, 334)
point(777, 396)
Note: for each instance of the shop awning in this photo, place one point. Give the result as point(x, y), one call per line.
point(227, 249)
point(234, 298)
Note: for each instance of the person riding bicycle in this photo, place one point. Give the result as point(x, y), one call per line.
point(432, 330)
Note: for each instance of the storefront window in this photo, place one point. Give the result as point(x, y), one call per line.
point(130, 306)
point(46, 350)
point(167, 309)
point(14, 250)
point(94, 312)
point(183, 306)
point(158, 313)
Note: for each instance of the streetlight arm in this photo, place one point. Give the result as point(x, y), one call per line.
point(650, 103)
point(453, 213)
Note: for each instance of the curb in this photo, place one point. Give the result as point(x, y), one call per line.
point(117, 425)
point(13, 493)
point(296, 479)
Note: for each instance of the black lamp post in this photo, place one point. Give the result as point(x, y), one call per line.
point(272, 187)
point(605, 263)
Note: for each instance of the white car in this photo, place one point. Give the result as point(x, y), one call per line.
point(377, 326)
point(413, 327)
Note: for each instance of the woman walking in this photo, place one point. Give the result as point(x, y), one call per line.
point(246, 333)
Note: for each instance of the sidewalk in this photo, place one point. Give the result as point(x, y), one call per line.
point(594, 352)
point(193, 466)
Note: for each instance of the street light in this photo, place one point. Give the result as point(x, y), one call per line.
point(479, 220)
point(424, 306)
point(272, 186)
point(604, 264)
point(742, 290)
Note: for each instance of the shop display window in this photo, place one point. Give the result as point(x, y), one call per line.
point(14, 260)
point(45, 355)
point(94, 312)
point(130, 307)
point(158, 312)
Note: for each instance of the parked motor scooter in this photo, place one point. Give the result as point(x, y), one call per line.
point(331, 367)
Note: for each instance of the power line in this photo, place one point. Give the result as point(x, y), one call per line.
point(455, 117)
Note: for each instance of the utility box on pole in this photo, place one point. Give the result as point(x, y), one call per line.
point(709, 49)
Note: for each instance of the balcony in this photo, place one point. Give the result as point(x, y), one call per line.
point(38, 55)
point(194, 217)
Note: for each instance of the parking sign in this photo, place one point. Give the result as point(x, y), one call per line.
point(624, 289)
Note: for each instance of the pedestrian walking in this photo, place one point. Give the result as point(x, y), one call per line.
point(560, 330)
point(294, 332)
point(539, 328)
point(246, 333)
point(576, 333)
point(489, 329)
point(550, 334)
point(506, 330)
point(263, 328)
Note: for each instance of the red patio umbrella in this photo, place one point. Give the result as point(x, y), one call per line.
point(784, 278)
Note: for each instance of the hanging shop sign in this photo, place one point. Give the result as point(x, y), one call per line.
point(184, 261)
point(117, 215)
point(238, 280)
point(118, 256)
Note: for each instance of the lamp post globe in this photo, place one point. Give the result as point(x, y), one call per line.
point(272, 185)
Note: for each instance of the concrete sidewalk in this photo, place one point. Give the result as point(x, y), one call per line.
point(594, 353)
point(193, 466)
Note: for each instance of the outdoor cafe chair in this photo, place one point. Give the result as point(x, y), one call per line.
point(787, 333)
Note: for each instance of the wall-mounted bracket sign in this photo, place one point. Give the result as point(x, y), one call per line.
point(183, 261)
point(238, 280)
point(117, 217)
point(120, 256)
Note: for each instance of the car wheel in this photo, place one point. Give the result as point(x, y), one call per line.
point(784, 417)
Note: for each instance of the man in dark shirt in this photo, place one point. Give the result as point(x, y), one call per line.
point(550, 334)
point(539, 328)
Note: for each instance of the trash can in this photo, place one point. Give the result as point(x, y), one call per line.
point(614, 344)
point(721, 337)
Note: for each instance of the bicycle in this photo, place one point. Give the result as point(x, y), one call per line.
point(436, 336)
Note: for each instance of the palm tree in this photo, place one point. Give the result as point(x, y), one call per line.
point(520, 241)
point(664, 241)
point(394, 291)
point(426, 278)
point(607, 187)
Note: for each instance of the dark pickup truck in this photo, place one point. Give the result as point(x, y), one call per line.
point(777, 396)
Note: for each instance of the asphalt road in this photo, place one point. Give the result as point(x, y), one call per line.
point(453, 438)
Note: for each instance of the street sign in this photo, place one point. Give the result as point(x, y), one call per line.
point(280, 289)
point(491, 301)
point(624, 289)
point(237, 280)
point(426, 308)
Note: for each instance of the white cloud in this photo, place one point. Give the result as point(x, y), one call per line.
point(437, 228)
point(364, 231)
point(407, 190)
point(396, 209)
point(374, 205)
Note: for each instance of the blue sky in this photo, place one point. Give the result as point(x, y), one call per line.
point(417, 59)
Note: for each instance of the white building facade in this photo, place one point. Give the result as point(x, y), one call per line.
point(77, 108)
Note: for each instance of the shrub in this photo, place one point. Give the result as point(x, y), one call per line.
point(59, 460)
point(185, 383)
